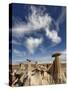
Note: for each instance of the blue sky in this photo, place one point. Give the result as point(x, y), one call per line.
point(38, 31)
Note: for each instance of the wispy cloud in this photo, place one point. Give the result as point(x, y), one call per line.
point(63, 55)
point(15, 42)
point(18, 53)
point(35, 22)
point(61, 18)
point(33, 43)
point(63, 52)
point(53, 35)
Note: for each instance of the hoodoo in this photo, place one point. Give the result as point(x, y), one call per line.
point(56, 68)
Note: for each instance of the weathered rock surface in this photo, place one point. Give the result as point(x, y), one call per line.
point(35, 74)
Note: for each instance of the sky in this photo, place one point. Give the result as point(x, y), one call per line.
point(38, 31)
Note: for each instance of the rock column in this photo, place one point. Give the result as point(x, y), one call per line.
point(56, 68)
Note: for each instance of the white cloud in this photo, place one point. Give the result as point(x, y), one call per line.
point(36, 21)
point(33, 43)
point(15, 51)
point(53, 35)
point(63, 52)
point(62, 16)
point(18, 53)
point(15, 42)
point(63, 55)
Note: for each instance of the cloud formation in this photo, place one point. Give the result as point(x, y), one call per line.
point(15, 42)
point(36, 21)
point(53, 35)
point(18, 53)
point(62, 16)
point(33, 43)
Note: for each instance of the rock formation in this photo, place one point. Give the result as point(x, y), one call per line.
point(56, 68)
point(38, 74)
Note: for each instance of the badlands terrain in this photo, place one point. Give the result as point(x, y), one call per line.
point(32, 73)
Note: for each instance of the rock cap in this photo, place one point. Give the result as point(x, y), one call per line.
point(56, 54)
